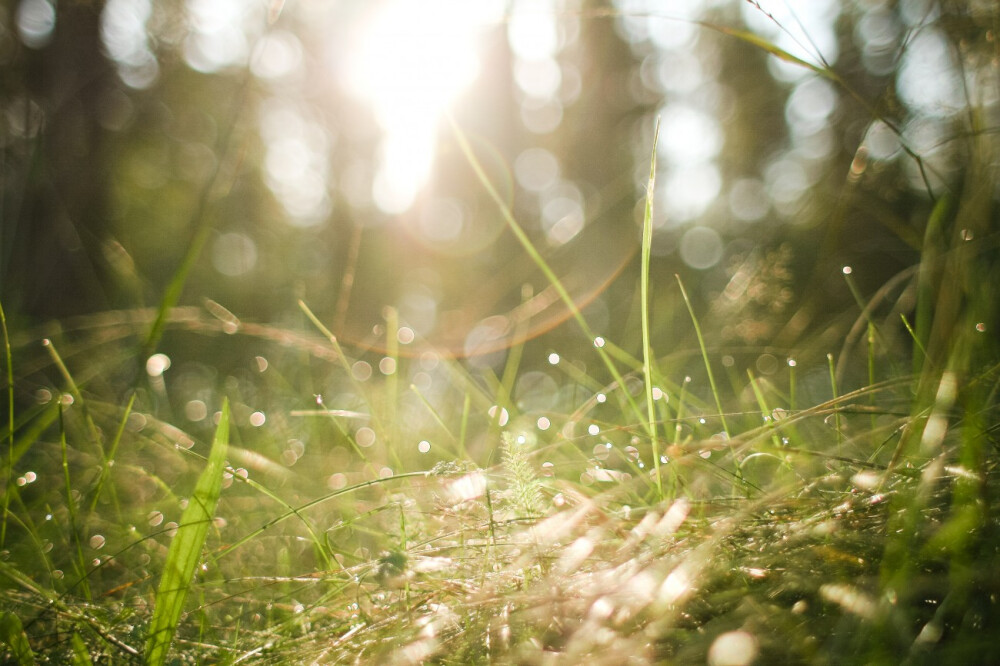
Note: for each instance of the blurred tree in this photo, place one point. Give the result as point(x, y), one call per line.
point(55, 213)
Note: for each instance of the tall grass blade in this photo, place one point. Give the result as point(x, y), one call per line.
point(74, 523)
point(81, 656)
point(539, 260)
point(185, 550)
point(12, 634)
point(929, 277)
point(704, 356)
point(10, 425)
point(647, 347)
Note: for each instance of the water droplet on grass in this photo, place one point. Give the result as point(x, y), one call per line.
point(593, 429)
point(257, 419)
point(548, 469)
point(554, 358)
point(364, 437)
point(424, 446)
point(503, 418)
point(543, 423)
point(157, 364)
point(155, 518)
point(97, 542)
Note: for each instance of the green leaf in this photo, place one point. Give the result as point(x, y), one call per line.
point(185, 550)
point(12, 633)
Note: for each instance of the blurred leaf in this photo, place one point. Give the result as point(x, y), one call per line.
point(185, 550)
point(13, 635)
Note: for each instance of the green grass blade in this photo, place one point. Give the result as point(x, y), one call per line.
point(10, 425)
point(185, 550)
point(74, 523)
point(106, 468)
point(81, 656)
point(12, 634)
point(704, 356)
point(647, 347)
point(539, 260)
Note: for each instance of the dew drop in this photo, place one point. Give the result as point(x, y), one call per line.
point(424, 446)
point(97, 542)
point(599, 342)
point(257, 419)
point(601, 398)
point(548, 469)
point(632, 452)
point(155, 518)
point(195, 410)
point(593, 429)
point(554, 358)
point(365, 437)
point(847, 270)
point(157, 364)
point(387, 366)
point(503, 418)
point(543, 423)
point(981, 327)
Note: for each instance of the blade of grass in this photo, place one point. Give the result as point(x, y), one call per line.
point(10, 425)
point(296, 511)
point(833, 387)
point(12, 633)
point(317, 541)
point(185, 550)
point(74, 525)
point(81, 656)
point(106, 468)
point(647, 346)
point(539, 261)
point(77, 396)
point(704, 356)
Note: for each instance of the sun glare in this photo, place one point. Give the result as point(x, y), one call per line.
point(410, 61)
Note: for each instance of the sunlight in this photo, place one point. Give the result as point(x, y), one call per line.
point(411, 60)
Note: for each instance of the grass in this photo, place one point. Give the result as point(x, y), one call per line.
point(296, 510)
